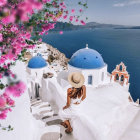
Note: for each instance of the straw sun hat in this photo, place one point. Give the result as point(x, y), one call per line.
point(76, 79)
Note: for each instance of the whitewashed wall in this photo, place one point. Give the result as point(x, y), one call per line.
point(96, 74)
point(20, 118)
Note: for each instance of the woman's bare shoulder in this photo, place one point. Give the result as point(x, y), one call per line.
point(84, 86)
point(69, 90)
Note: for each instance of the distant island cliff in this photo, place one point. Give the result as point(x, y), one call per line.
point(90, 25)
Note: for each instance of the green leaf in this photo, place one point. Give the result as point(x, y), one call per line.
point(79, 3)
point(2, 86)
point(12, 129)
point(9, 126)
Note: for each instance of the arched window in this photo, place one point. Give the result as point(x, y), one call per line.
point(117, 77)
point(102, 76)
point(121, 68)
point(122, 78)
point(90, 80)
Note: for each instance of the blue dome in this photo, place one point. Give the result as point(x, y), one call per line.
point(86, 59)
point(37, 62)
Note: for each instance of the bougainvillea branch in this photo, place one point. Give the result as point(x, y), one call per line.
point(22, 23)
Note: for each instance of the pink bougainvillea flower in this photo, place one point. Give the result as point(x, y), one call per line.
point(54, 3)
point(31, 46)
point(37, 5)
point(41, 33)
point(13, 75)
point(45, 1)
point(1, 27)
point(61, 32)
point(28, 35)
point(2, 60)
point(1, 75)
point(76, 20)
point(65, 16)
point(61, 4)
point(3, 115)
point(13, 29)
point(83, 23)
point(28, 6)
point(64, 7)
point(80, 10)
point(1, 37)
point(2, 102)
point(72, 11)
point(10, 109)
point(55, 19)
point(5, 111)
point(5, 95)
point(2, 2)
point(16, 90)
point(5, 66)
point(8, 19)
point(40, 39)
point(71, 18)
point(10, 55)
point(10, 101)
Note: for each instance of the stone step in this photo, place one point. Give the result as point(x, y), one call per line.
point(66, 136)
point(36, 103)
point(47, 115)
point(35, 100)
point(48, 133)
point(39, 110)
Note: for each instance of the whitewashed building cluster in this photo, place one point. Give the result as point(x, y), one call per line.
point(87, 61)
point(108, 110)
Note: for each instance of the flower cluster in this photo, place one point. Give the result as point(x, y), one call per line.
point(6, 102)
point(22, 24)
point(5, 105)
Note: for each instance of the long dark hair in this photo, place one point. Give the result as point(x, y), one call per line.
point(77, 93)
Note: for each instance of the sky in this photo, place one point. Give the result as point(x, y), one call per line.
point(122, 12)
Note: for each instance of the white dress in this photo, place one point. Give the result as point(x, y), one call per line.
point(78, 120)
point(72, 111)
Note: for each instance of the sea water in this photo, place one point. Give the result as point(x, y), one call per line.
point(115, 45)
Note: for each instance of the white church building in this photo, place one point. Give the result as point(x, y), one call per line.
point(91, 64)
point(86, 61)
point(37, 66)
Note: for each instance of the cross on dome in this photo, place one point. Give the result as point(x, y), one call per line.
point(86, 46)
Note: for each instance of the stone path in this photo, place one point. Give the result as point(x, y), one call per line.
point(49, 116)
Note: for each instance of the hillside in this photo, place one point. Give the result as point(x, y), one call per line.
point(89, 25)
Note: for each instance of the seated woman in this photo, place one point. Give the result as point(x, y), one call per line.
point(75, 96)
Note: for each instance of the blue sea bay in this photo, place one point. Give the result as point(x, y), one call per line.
point(115, 45)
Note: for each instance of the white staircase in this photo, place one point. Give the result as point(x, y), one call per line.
point(48, 122)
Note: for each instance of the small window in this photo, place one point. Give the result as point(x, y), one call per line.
point(117, 77)
point(122, 78)
point(102, 76)
point(90, 80)
point(121, 68)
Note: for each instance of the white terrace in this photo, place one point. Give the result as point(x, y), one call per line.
point(107, 112)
